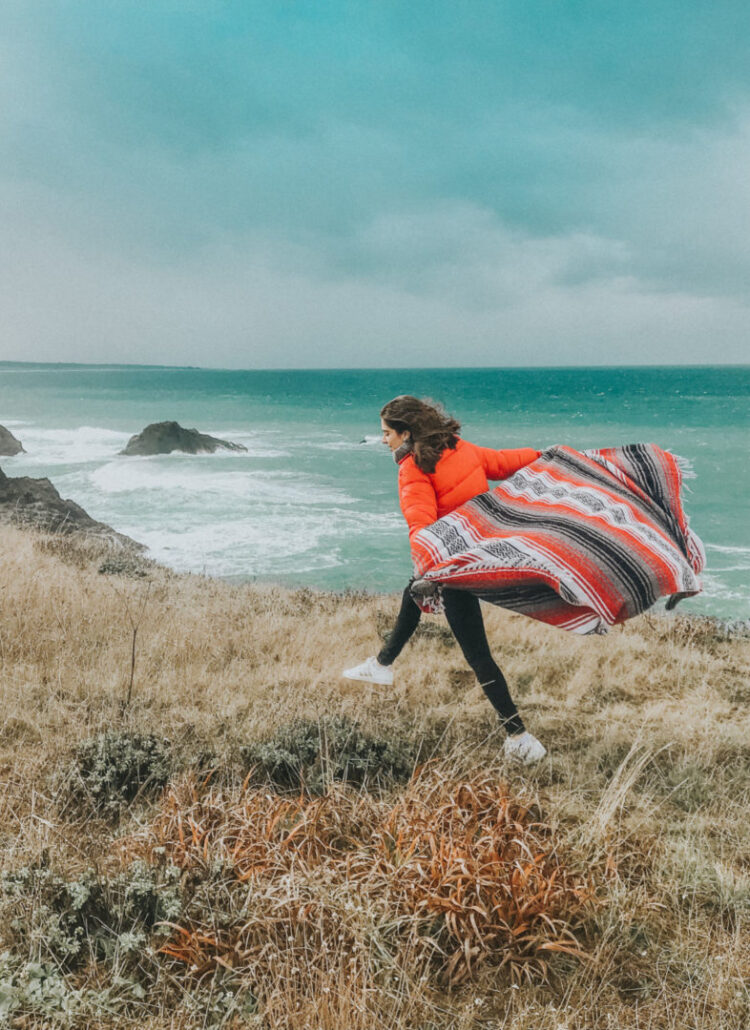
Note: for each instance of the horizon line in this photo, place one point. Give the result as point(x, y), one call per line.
point(7, 363)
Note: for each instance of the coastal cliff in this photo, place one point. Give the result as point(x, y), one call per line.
point(9, 445)
point(36, 503)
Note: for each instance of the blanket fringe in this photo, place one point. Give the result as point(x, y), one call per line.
point(685, 466)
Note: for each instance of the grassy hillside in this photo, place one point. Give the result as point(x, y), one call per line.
point(225, 833)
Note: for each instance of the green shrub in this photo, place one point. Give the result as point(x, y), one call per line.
point(311, 754)
point(110, 930)
point(113, 769)
point(72, 921)
point(128, 566)
point(33, 988)
point(38, 994)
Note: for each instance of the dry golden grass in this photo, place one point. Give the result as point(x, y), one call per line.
point(645, 796)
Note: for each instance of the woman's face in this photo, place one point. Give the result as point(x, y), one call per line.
point(391, 438)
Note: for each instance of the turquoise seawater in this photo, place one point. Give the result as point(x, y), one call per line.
point(314, 500)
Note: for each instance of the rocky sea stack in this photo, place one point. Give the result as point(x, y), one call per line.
point(36, 503)
point(165, 437)
point(8, 444)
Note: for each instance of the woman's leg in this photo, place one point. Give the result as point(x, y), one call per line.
point(465, 620)
point(406, 623)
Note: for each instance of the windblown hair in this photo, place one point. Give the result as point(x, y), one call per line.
point(431, 429)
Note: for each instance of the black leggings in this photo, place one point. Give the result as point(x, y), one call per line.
point(465, 620)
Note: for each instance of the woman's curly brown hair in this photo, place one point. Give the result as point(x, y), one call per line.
point(431, 429)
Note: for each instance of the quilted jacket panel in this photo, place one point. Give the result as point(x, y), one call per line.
point(459, 475)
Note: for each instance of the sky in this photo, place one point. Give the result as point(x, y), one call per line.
point(230, 183)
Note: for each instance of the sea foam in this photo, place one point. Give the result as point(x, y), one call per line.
point(272, 543)
point(212, 484)
point(71, 446)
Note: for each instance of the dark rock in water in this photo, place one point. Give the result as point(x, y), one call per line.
point(165, 437)
point(36, 503)
point(8, 443)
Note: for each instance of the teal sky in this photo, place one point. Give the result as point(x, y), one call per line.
point(270, 184)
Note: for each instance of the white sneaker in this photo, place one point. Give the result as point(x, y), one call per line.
point(371, 671)
point(524, 748)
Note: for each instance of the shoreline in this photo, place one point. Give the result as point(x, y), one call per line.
point(312, 498)
point(723, 627)
point(36, 502)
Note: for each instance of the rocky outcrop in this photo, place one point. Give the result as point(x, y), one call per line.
point(36, 503)
point(8, 443)
point(165, 437)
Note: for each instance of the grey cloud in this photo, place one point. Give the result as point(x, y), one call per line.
point(367, 188)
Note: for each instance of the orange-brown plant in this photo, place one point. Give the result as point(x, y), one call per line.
point(456, 873)
point(471, 856)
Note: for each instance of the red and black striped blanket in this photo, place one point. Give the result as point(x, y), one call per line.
point(581, 540)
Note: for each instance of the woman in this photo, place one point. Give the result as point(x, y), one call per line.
point(438, 472)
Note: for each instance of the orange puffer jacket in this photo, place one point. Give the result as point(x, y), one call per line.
point(459, 475)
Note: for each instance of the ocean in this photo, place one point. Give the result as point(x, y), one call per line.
point(314, 501)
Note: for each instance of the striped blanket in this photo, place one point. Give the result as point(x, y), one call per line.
point(581, 540)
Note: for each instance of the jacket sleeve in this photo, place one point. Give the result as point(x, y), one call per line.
point(501, 464)
point(416, 496)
